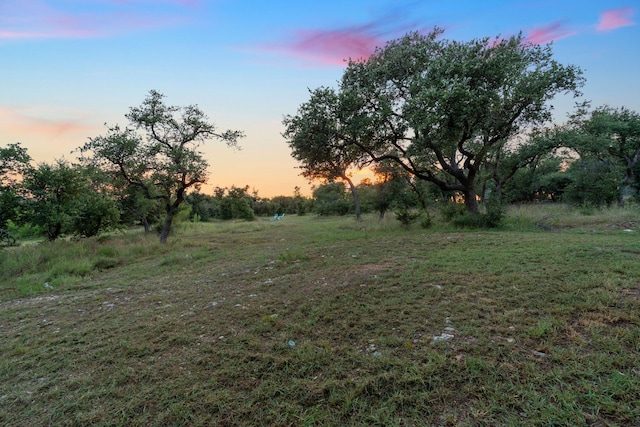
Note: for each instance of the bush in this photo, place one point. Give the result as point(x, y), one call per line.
point(495, 213)
point(426, 221)
point(407, 216)
point(456, 214)
point(6, 239)
point(236, 208)
point(452, 210)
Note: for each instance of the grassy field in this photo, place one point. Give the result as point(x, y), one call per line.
point(328, 322)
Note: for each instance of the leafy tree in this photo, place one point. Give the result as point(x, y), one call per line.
point(396, 187)
point(52, 190)
point(203, 206)
point(14, 162)
point(593, 182)
point(134, 206)
point(236, 204)
point(96, 210)
point(318, 141)
point(543, 180)
point(441, 108)
point(64, 199)
point(602, 136)
point(301, 204)
point(163, 161)
point(330, 199)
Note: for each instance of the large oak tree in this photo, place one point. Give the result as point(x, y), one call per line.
point(442, 108)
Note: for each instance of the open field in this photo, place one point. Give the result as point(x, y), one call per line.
point(328, 322)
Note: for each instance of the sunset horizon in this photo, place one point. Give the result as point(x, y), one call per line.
point(74, 66)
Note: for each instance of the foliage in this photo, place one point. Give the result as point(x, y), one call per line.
point(164, 161)
point(330, 199)
point(6, 239)
point(14, 161)
point(236, 204)
point(406, 216)
point(441, 108)
point(456, 214)
point(593, 182)
point(495, 211)
point(541, 181)
point(609, 138)
point(204, 206)
point(134, 206)
point(94, 214)
point(450, 210)
point(318, 141)
point(64, 198)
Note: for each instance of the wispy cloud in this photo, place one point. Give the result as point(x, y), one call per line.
point(25, 122)
point(334, 46)
point(42, 19)
point(549, 33)
point(615, 18)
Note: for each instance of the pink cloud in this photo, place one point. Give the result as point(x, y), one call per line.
point(615, 18)
point(336, 46)
point(29, 121)
point(551, 32)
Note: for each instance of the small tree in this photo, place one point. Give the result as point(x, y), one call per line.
point(164, 162)
point(330, 199)
point(236, 204)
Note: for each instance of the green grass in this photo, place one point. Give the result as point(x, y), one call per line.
point(327, 321)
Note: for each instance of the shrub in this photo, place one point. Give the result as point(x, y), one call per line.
point(406, 216)
point(451, 210)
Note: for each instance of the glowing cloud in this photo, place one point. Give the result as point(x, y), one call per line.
point(336, 46)
point(551, 32)
point(333, 47)
point(28, 121)
point(615, 18)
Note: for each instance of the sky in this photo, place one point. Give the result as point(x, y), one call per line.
point(69, 67)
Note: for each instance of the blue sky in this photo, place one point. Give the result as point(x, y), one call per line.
point(70, 66)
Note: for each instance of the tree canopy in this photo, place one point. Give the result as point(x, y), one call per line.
point(441, 108)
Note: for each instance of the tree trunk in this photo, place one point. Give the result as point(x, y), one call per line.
point(354, 193)
point(54, 231)
point(470, 200)
point(145, 223)
point(166, 227)
point(383, 210)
